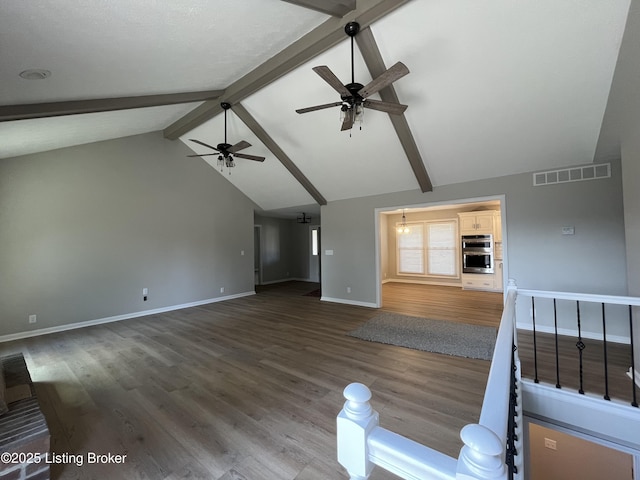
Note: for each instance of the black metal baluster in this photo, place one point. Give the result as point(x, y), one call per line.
point(555, 324)
point(604, 345)
point(580, 344)
point(634, 403)
point(512, 437)
point(535, 348)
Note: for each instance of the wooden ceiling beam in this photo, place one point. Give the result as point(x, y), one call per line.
point(335, 8)
point(322, 38)
point(270, 143)
point(75, 107)
point(373, 59)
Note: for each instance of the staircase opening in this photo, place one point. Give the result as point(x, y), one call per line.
point(557, 453)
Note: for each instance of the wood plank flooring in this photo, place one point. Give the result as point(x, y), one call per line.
point(620, 387)
point(443, 303)
point(243, 389)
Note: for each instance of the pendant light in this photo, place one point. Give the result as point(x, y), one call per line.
point(403, 228)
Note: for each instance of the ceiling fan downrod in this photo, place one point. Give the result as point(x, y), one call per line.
point(225, 106)
point(352, 29)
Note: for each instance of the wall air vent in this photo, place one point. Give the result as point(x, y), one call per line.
point(574, 174)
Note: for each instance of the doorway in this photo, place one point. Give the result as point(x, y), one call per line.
point(314, 254)
point(257, 257)
point(431, 219)
point(558, 455)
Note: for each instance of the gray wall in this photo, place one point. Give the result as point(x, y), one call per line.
point(539, 257)
point(84, 229)
point(623, 118)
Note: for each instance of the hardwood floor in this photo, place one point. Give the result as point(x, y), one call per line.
point(485, 308)
point(620, 387)
point(243, 389)
point(443, 303)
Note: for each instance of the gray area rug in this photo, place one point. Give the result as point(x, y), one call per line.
point(438, 336)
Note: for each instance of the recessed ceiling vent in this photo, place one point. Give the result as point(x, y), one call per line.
point(574, 174)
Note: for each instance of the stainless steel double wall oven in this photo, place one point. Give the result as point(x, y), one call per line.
point(477, 254)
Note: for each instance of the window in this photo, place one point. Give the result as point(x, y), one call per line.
point(314, 241)
point(411, 250)
point(429, 249)
point(441, 249)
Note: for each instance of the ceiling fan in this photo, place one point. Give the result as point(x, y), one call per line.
point(227, 152)
point(354, 96)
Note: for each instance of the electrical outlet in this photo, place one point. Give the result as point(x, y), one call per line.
point(550, 444)
point(348, 289)
point(221, 289)
point(33, 318)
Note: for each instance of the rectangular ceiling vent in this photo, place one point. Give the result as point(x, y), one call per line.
point(574, 174)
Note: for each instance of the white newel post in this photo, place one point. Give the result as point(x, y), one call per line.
point(481, 458)
point(354, 423)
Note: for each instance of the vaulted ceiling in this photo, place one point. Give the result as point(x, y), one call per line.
point(495, 87)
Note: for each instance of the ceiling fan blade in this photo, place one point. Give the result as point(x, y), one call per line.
point(388, 107)
point(249, 157)
point(349, 118)
point(241, 145)
point(318, 107)
point(204, 144)
point(386, 78)
point(203, 155)
point(328, 76)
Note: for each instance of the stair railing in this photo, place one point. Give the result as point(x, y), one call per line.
point(490, 448)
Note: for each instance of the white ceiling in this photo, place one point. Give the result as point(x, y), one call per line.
point(496, 87)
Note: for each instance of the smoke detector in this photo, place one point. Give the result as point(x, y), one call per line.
point(35, 74)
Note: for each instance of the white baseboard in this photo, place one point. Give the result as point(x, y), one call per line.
point(348, 302)
point(574, 333)
point(88, 323)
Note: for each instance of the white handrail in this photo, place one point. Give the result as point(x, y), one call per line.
point(362, 443)
point(483, 455)
point(583, 297)
point(496, 395)
point(408, 459)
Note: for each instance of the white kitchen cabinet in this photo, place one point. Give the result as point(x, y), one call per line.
point(498, 276)
point(497, 227)
point(478, 281)
point(476, 223)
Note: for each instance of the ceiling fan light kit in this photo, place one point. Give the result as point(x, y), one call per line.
point(354, 97)
point(226, 151)
point(304, 218)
